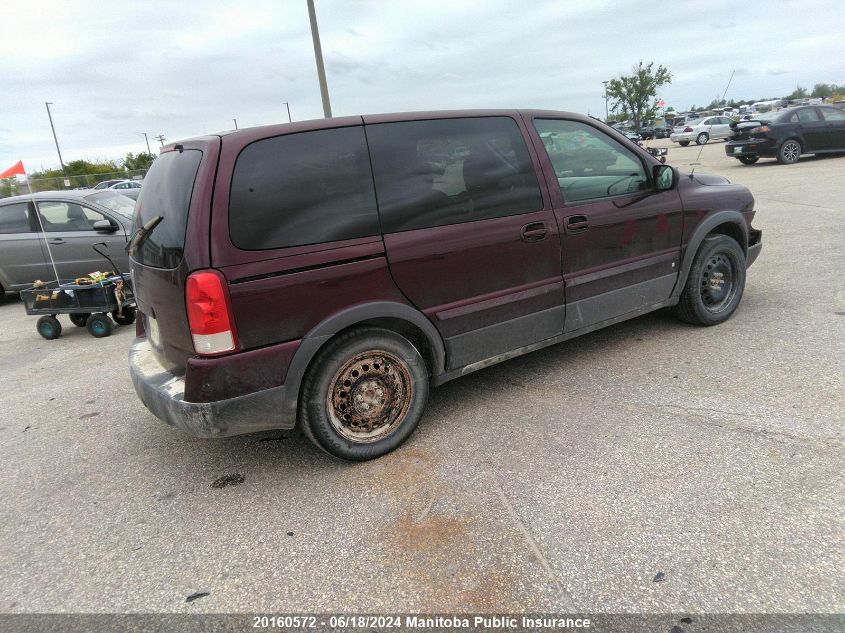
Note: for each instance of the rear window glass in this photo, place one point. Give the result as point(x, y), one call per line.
point(832, 114)
point(449, 171)
point(166, 192)
point(114, 201)
point(303, 188)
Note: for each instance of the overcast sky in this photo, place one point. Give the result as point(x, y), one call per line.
point(114, 70)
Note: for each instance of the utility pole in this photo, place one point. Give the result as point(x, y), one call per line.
point(290, 120)
point(148, 143)
point(52, 127)
point(606, 115)
point(236, 123)
point(318, 56)
point(160, 139)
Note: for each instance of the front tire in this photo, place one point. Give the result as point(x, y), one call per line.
point(715, 283)
point(364, 394)
point(683, 143)
point(789, 152)
point(702, 139)
point(748, 160)
point(49, 327)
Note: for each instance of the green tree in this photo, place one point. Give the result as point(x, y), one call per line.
point(141, 161)
point(822, 90)
point(635, 94)
point(798, 93)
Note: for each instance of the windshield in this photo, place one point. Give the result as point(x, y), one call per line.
point(768, 116)
point(114, 201)
point(167, 193)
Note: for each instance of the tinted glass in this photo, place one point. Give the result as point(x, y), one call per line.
point(166, 192)
point(448, 171)
point(832, 114)
point(58, 217)
point(303, 188)
point(14, 219)
point(588, 163)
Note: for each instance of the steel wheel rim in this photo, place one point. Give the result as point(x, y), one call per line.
point(369, 396)
point(718, 282)
point(791, 151)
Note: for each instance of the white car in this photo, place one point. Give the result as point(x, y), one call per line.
point(703, 130)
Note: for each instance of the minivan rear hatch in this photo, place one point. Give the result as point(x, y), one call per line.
point(177, 188)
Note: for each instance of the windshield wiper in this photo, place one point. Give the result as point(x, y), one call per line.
point(143, 233)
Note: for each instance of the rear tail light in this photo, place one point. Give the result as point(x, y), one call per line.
point(687, 129)
point(759, 130)
point(210, 313)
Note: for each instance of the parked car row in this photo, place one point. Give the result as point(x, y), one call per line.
point(129, 188)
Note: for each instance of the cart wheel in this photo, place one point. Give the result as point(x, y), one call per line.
point(128, 317)
point(99, 325)
point(79, 319)
point(49, 327)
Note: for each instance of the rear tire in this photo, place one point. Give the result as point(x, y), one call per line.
point(702, 138)
point(789, 152)
point(364, 394)
point(79, 319)
point(49, 327)
point(128, 317)
point(715, 283)
point(99, 325)
point(683, 143)
point(748, 160)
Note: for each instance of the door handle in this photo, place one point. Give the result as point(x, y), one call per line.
point(534, 232)
point(56, 240)
point(577, 223)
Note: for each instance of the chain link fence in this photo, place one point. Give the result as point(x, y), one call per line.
point(13, 187)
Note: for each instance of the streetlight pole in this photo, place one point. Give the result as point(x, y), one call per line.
point(52, 127)
point(148, 143)
point(290, 120)
point(236, 123)
point(318, 56)
point(606, 115)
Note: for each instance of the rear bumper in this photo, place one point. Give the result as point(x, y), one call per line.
point(163, 394)
point(738, 149)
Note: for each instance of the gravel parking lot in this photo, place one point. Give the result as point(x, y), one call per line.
point(566, 480)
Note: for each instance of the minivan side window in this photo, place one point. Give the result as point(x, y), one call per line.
point(14, 219)
point(449, 171)
point(303, 188)
point(588, 163)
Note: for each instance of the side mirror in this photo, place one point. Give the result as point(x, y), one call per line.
point(664, 177)
point(104, 226)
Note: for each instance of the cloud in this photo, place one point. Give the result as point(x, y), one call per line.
point(169, 68)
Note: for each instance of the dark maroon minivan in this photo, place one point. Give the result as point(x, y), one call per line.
point(329, 272)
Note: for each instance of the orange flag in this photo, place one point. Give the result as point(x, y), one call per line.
point(17, 168)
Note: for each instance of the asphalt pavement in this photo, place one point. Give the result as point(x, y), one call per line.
point(651, 466)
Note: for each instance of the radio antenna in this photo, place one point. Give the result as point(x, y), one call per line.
point(698, 158)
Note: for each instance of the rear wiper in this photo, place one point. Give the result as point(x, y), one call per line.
point(142, 233)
